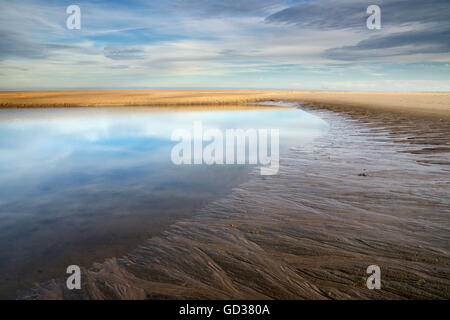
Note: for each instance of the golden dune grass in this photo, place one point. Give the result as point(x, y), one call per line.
point(436, 103)
point(97, 98)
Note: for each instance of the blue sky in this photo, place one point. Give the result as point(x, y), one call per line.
point(273, 44)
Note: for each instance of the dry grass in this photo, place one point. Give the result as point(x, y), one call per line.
point(100, 98)
point(436, 103)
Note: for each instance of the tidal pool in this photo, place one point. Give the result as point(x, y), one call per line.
point(81, 185)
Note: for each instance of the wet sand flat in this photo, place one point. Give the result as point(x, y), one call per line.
point(374, 190)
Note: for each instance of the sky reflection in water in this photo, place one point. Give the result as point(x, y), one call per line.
point(78, 185)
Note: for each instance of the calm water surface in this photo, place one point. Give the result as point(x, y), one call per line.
point(81, 185)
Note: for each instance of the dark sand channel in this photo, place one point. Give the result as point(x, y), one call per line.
point(373, 190)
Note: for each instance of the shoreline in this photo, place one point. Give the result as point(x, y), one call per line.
point(434, 104)
point(307, 234)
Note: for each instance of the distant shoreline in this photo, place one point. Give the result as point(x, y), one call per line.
point(420, 103)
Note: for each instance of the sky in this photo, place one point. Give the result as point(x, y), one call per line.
point(248, 44)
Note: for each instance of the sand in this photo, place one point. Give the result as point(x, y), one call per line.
point(374, 190)
point(429, 103)
point(99, 98)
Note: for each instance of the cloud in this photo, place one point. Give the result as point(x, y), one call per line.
point(213, 8)
point(13, 44)
point(196, 43)
point(16, 45)
point(409, 27)
point(345, 14)
point(428, 41)
point(118, 67)
point(123, 53)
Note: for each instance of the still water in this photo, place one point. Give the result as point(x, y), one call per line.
point(81, 185)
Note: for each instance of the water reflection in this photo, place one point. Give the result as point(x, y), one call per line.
point(78, 185)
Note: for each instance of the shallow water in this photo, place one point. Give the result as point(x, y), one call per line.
point(82, 185)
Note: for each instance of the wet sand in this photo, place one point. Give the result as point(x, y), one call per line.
point(374, 190)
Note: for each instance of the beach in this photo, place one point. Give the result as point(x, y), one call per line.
point(205, 152)
point(372, 191)
point(435, 103)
